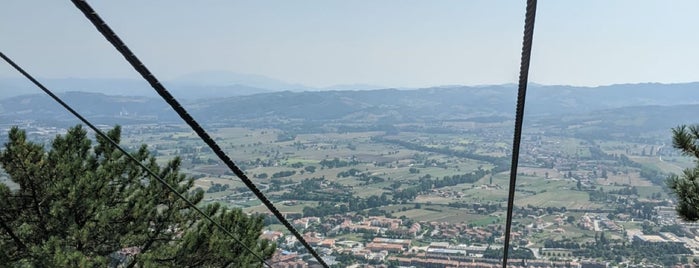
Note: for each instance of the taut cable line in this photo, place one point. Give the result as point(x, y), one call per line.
point(519, 117)
point(120, 46)
point(131, 157)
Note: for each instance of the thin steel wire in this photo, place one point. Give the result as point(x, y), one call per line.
point(128, 155)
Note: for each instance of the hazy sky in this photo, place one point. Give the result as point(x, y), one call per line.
point(400, 43)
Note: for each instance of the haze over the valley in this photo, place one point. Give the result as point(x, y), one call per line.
point(389, 44)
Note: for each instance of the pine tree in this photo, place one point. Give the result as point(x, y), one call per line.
point(686, 186)
point(78, 205)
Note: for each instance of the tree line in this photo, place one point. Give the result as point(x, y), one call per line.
point(427, 183)
point(500, 163)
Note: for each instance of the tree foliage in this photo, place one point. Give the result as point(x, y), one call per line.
point(686, 186)
point(80, 205)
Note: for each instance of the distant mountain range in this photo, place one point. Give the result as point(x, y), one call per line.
point(200, 85)
point(11, 87)
point(644, 104)
point(224, 78)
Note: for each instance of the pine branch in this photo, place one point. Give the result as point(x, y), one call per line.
point(14, 237)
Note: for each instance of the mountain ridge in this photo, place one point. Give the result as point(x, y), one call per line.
point(383, 106)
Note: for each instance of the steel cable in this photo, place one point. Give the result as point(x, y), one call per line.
point(128, 155)
point(519, 117)
point(120, 46)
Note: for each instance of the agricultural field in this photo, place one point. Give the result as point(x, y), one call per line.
point(266, 152)
point(457, 179)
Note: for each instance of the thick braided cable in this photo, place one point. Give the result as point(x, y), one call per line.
point(120, 46)
point(519, 117)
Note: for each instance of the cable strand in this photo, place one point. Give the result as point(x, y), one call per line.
point(120, 46)
point(519, 117)
point(130, 156)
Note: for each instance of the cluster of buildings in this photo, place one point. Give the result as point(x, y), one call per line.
point(447, 193)
point(389, 245)
point(660, 238)
point(380, 225)
point(303, 223)
point(463, 252)
point(378, 249)
point(284, 259)
point(439, 263)
point(664, 237)
point(384, 250)
point(477, 234)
